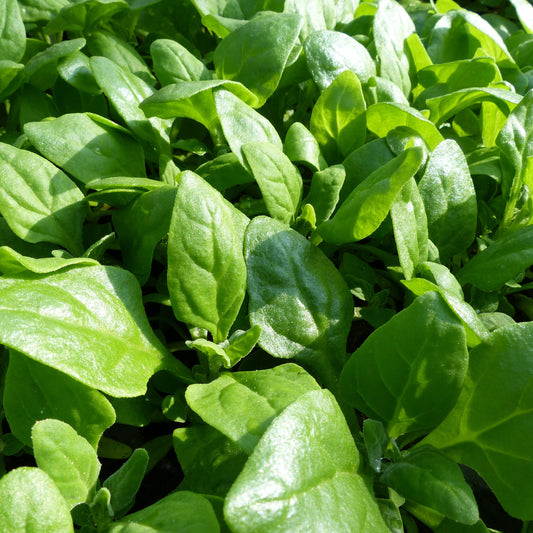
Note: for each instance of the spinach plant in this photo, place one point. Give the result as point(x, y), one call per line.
point(266, 266)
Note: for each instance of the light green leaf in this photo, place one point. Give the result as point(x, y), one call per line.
point(298, 298)
point(369, 203)
point(87, 146)
point(392, 25)
point(256, 53)
point(241, 405)
point(67, 458)
point(207, 276)
point(12, 32)
point(87, 322)
point(325, 190)
point(432, 479)
point(410, 228)
point(300, 146)
point(179, 511)
point(31, 503)
point(328, 53)
point(34, 392)
point(524, 10)
point(450, 199)
point(39, 202)
point(295, 474)
point(489, 429)
point(280, 183)
point(413, 383)
point(338, 121)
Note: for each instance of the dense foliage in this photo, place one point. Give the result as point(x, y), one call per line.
point(265, 266)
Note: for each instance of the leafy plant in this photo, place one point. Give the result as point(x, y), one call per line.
point(266, 266)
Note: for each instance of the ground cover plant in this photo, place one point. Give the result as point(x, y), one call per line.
point(265, 266)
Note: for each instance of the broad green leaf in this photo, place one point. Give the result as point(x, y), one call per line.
point(87, 322)
point(329, 53)
point(440, 275)
point(300, 146)
point(179, 511)
point(392, 25)
point(489, 428)
point(430, 478)
point(12, 32)
point(324, 191)
point(298, 298)
point(210, 461)
point(242, 405)
point(75, 69)
point(87, 146)
point(11, 262)
point(410, 228)
point(449, 199)
point(31, 503)
point(194, 99)
point(67, 458)
point(125, 482)
point(105, 44)
point(297, 471)
point(279, 181)
point(376, 441)
point(443, 107)
point(338, 121)
point(413, 383)
point(256, 53)
point(174, 63)
point(141, 225)
point(369, 203)
point(241, 124)
point(207, 274)
point(500, 262)
point(39, 202)
point(524, 10)
point(39, 10)
point(385, 116)
point(10, 77)
point(319, 14)
point(224, 172)
point(126, 91)
point(34, 392)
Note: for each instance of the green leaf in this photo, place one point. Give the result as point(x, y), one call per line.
point(430, 478)
point(87, 322)
point(410, 228)
point(298, 298)
point(67, 458)
point(279, 181)
point(389, 39)
point(12, 32)
point(413, 383)
point(325, 190)
point(31, 503)
point(105, 44)
point(179, 511)
point(385, 116)
point(338, 121)
point(295, 474)
point(524, 10)
point(75, 69)
point(34, 392)
point(224, 171)
point(39, 202)
point(256, 53)
point(300, 146)
point(370, 202)
point(141, 225)
point(489, 428)
point(125, 482)
point(87, 146)
point(174, 63)
point(207, 276)
point(242, 405)
point(500, 262)
point(241, 124)
point(210, 461)
point(450, 199)
point(328, 53)
point(319, 14)
point(376, 441)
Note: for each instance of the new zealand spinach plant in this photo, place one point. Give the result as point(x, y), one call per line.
point(265, 266)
